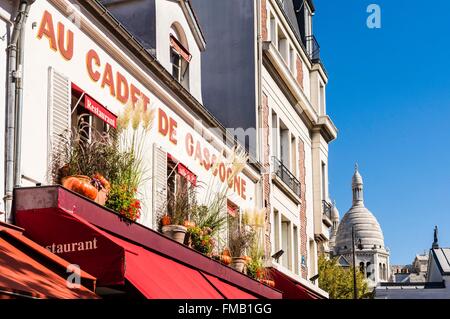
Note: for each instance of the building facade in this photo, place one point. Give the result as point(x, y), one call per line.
point(270, 47)
point(93, 59)
point(371, 255)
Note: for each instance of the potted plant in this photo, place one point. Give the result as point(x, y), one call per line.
point(176, 213)
point(240, 239)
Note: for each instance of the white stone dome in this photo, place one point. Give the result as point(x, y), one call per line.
point(367, 229)
point(334, 213)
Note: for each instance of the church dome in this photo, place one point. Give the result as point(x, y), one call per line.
point(367, 229)
point(334, 213)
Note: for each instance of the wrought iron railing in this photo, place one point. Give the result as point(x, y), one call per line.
point(326, 209)
point(286, 176)
point(313, 48)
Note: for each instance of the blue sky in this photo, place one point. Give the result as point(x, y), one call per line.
point(389, 95)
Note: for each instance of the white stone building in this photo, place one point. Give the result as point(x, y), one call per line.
point(371, 255)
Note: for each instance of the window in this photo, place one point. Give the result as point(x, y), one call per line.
point(368, 270)
point(312, 260)
point(293, 156)
point(284, 145)
point(180, 57)
point(273, 30)
point(296, 252)
point(179, 185)
point(274, 135)
point(324, 181)
point(84, 122)
point(362, 268)
point(322, 99)
point(175, 59)
point(286, 242)
point(283, 46)
point(276, 233)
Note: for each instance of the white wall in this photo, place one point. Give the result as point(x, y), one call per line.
point(279, 103)
point(39, 57)
point(168, 13)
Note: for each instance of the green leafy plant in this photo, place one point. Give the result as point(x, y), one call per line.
point(338, 281)
point(201, 239)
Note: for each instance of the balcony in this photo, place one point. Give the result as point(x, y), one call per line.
point(283, 173)
point(313, 48)
point(326, 213)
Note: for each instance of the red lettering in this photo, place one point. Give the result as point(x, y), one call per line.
point(213, 162)
point(189, 144)
point(135, 94)
point(66, 49)
point(108, 79)
point(146, 101)
point(122, 88)
point(229, 179)
point(163, 123)
point(92, 56)
point(237, 185)
point(173, 131)
point(47, 29)
point(243, 184)
point(206, 156)
point(222, 172)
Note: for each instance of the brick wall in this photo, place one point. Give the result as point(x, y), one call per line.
point(266, 168)
point(264, 20)
point(303, 221)
point(299, 72)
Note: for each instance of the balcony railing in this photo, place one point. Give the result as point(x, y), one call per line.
point(326, 209)
point(286, 176)
point(313, 48)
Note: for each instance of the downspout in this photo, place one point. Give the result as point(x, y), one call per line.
point(13, 77)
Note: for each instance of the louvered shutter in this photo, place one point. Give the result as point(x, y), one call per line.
point(223, 234)
point(59, 100)
point(159, 183)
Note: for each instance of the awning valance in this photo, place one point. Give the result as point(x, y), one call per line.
point(157, 266)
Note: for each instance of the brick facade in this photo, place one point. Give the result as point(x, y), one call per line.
point(266, 170)
point(303, 221)
point(264, 20)
point(299, 72)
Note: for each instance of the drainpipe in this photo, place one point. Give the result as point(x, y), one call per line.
point(14, 77)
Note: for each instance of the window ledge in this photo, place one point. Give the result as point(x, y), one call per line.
point(286, 189)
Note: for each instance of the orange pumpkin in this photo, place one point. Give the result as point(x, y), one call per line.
point(166, 220)
point(226, 252)
point(81, 185)
point(247, 259)
point(188, 224)
point(225, 259)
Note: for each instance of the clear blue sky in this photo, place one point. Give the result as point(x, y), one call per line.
point(389, 95)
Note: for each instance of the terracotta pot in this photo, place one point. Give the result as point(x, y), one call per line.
point(176, 232)
point(238, 263)
point(102, 196)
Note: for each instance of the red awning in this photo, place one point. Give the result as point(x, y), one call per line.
point(114, 260)
point(180, 49)
point(291, 288)
point(229, 291)
point(28, 270)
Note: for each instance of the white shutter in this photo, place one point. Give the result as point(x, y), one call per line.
point(59, 101)
point(159, 183)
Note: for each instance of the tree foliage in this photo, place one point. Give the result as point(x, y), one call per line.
point(338, 281)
